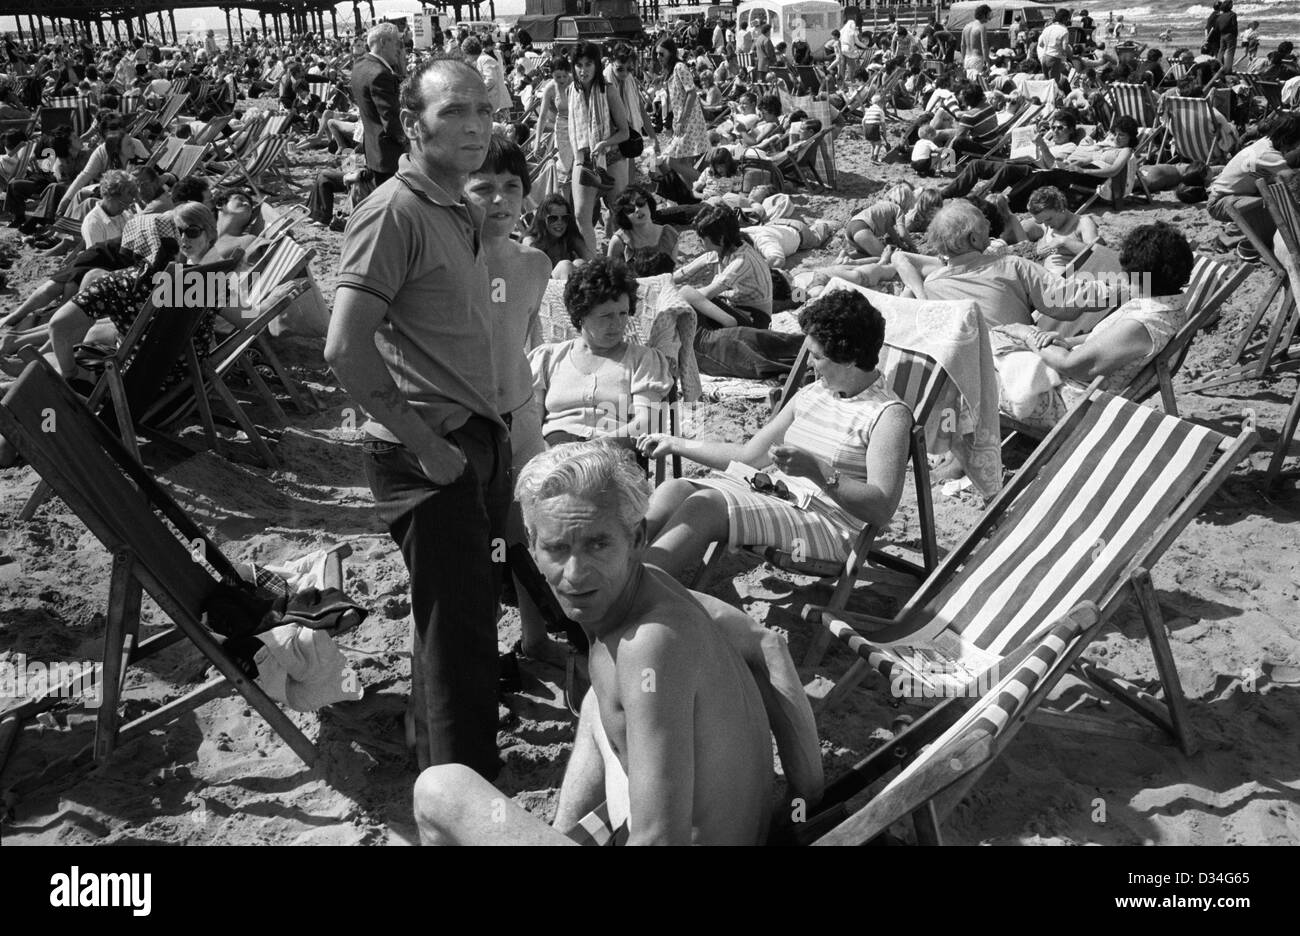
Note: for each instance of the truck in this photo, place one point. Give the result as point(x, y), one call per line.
point(623, 16)
point(563, 33)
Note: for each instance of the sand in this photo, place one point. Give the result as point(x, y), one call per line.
point(1228, 588)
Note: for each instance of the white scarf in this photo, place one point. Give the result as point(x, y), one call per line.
point(588, 119)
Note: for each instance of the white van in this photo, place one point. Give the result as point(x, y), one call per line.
point(810, 21)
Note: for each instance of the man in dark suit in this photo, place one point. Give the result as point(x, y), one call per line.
point(375, 80)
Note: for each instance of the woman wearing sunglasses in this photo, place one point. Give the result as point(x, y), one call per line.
point(555, 234)
point(103, 311)
point(637, 233)
point(597, 125)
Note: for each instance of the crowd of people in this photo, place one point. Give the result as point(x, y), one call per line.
point(481, 432)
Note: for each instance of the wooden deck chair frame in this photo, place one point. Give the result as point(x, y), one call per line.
point(1286, 215)
point(172, 105)
point(173, 561)
point(259, 163)
point(1147, 139)
point(1254, 358)
point(1204, 303)
point(944, 753)
point(1131, 566)
point(268, 274)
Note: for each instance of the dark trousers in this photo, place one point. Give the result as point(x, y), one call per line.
point(449, 536)
point(976, 170)
point(18, 193)
point(320, 203)
point(1018, 197)
point(753, 353)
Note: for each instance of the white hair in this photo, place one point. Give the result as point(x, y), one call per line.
point(955, 226)
point(591, 470)
point(381, 32)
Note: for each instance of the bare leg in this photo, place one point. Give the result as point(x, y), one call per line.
point(705, 306)
point(584, 201)
point(43, 295)
point(583, 788)
point(455, 806)
point(68, 327)
point(701, 520)
point(664, 502)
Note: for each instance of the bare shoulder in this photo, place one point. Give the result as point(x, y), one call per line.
point(668, 633)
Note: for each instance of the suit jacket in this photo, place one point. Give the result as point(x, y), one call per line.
point(374, 88)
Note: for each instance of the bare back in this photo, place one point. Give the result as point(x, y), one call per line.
point(670, 681)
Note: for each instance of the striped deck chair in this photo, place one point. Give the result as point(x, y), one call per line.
point(211, 131)
point(919, 381)
point(69, 110)
point(260, 162)
point(1254, 358)
point(284, 262)
point(165, 153)
point(157, 548)
point(24, 161)
point(1133, 100)
point(1027, 117)
point(1128, 180)
point(188, 160)
point(171, 107)
point(1046, 91)
point(1286, 215)
point(129, 102)
point(1191, 124)
point(1211, 283)
point(944, 753)
point(1085, 519)
point(276, 125)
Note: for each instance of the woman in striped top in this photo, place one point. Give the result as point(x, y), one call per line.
point(846, 434)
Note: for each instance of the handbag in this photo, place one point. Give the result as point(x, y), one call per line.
point(633, 146)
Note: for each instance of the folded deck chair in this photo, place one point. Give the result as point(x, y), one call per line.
point(1085, 519)
point(165, 153)
point(1253, 358)
point(156, 548)
point(919, 381)
point(1211, 284)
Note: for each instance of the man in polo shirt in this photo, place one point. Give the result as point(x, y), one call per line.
point(1237, 186)
point(411, 341)
point(977, 124)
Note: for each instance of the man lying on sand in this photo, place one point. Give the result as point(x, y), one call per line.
point(673, 742)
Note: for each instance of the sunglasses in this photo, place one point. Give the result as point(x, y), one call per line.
point(191, 232)
point(1060, 127)
point(551, 219)
point(763, 484)
point(640, 203)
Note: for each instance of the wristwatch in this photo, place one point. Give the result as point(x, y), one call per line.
point(832, 480)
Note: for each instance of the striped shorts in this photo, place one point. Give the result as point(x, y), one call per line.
point(823, 531)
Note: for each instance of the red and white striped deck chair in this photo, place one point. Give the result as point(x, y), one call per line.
point(276, 125)
point(261, 162)
point(1086, 518)
point(171, 107)
point(1192, 125)
point(944, 753)
point(285, 261)
point(188, 160)
point(129, 103)
point(919, 381)
point(1286, 215)
point(165, 153)
point(211, 131)
point(1254, 358)
point(1209, 287)
point(68, 110)
point(1133, 100)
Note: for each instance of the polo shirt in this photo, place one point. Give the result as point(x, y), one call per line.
point(417, 248)
point(1009, 289)
point(1259, 160)
point(981, 122)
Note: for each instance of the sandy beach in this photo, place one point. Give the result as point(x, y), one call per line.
point(1229, 588)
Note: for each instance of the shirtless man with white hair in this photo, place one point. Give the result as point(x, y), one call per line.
point(674, 737)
